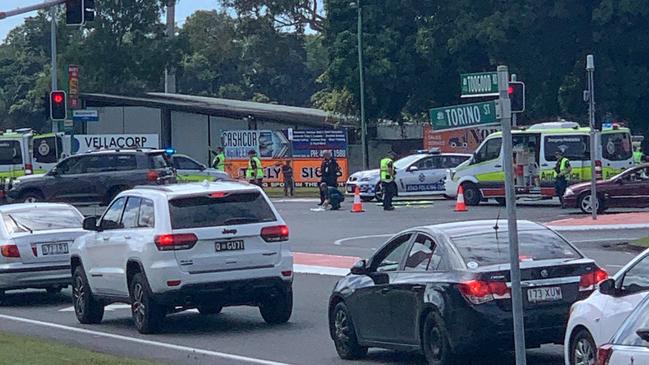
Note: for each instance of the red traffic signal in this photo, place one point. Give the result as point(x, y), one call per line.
point(516, 91)
point(58, 105)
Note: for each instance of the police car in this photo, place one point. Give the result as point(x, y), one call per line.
point(420, 174)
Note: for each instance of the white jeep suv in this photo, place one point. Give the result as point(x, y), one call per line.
point(169, 248)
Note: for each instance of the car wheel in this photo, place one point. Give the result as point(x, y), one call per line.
point(87, 309)
point(344, 334)
point(378, 194)
point(2, 296)
point(147, 314)
point(366, 199)
point(209, 309)
point(435, 341)
point(277, 309)
point(582, 349)
point(472, 194)
point(31, 197)
point(54, 290)
point(586, 205)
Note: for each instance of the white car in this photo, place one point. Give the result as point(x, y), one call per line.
point(630, 345)
point(594, 320)
point(34, 245)
point(188, 170)
point(169, 248)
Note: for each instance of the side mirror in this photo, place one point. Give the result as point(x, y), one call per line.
point(643, 333)
point(53, 172)
point(90, 224)
point(359, 268)
point(413, 168)
point(607, 287)
point(202, 168)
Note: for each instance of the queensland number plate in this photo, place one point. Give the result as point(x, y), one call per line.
point(60, 248)
point(547, 294)
point(229, 246)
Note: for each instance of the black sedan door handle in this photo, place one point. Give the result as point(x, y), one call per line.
point(385, 290)
point(417, 287)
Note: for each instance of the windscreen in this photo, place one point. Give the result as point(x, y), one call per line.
point(10, 153)
point(493, 248)
point(41, 220)
point(406, 161)
point(232, 209)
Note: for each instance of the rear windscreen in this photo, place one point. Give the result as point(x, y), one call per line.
point(233, 209)
point(616, 146)
point(493, 249)
point(158, 161)
point(10, 153)
point(42, 220)
point(574, 147)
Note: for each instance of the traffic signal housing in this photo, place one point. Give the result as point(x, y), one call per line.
point(516, 93)
point(78, 12)
point(58, 105)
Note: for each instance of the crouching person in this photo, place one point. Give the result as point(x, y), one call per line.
point(333, 196)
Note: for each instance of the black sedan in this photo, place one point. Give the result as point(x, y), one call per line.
point(444, 290)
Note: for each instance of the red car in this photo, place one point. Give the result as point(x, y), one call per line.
point(629, 189)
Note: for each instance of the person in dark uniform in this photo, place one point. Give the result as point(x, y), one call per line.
point(562, 170)
point(333, 196)
point(388, 184)
point(330, 170)
point(287, 172)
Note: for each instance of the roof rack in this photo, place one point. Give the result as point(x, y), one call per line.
point(153, 187)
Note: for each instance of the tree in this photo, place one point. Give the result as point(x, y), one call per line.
point(286, 14)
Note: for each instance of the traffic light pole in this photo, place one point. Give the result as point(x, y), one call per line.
point(27, 9)
point(590, 68)
point(514, 121)
point(55, 86)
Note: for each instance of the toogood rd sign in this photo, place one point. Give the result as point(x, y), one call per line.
point(479, 84)
point(465, 115)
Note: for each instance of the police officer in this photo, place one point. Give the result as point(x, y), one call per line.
point(330, 171)
point(387, 180)
point(562, 170)
point(255, 171)
point(638, 156)
point(219, 160)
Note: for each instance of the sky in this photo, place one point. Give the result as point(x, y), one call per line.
point(184, 9)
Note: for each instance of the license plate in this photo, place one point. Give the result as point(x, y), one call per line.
point(50, 249)
point(229, 246)
point(541, 295)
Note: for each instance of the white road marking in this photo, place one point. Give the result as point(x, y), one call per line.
point(296, 200)
point(615, 266)
point(321, 270)
point(114, 307)
point(603, 240)
point(340, 241)
point(169, 346)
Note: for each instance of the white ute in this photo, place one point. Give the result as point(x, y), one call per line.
point(164, 249)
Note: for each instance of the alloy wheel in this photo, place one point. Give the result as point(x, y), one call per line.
point(584, 353)
point(78, 295)
point(343, 330)
point(138, 306)
point(586, 204)
point(435, 343)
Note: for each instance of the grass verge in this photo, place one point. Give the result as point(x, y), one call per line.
point(642, 242)
point(27, 350)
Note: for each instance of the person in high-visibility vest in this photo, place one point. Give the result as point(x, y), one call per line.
point(638, 156)
point(562, 170)
point(388, 185)
point(219, 160)
point(255, 171)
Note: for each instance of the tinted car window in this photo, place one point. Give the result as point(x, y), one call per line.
point(420, 254)
point(10, 153)
point(637, 278)
point(627, 335)
point(574, 147)
point(206, 211)
point(493, 248)
point(157, 161)
point(111, 219)
point(489, 151)
point(390, 257)
point(42, 220)
point(616, 146)
point(182, 163)
point(638, 175)
point(130, 216)
point(96, 163)
point(428, 163)
point(71, 166)
point(450, 162)
point(147, 217)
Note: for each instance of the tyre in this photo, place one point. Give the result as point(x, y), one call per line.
point(31, 196)
point(436, 348)
point(2, 296)
point(87, 309)
point(378, 195)
point(344, 334)
point(277, 309)
point(582, 349)
point(209, 309)
point(147, 314)
point(54, 290)
point(367, 199)
point(501, 201)
point(585, 204)
point(472, 195)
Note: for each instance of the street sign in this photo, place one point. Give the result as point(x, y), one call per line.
point(73, 87)
point(465, 115)
point(479, 84)
point(85, 115)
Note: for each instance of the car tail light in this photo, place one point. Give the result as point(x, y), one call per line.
point(9, 251)
point(152, 175)
point(275, 233)
point(170, 242)
point(478, 292)
point(588, 281)
point(604, 354)
point(29, 169)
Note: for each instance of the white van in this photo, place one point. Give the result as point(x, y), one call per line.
point(15, 153)
point(482, 177)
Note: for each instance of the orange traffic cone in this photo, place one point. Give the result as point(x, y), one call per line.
point(459, 205)
point(358, 204)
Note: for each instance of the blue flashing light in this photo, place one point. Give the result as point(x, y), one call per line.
point(170, 151)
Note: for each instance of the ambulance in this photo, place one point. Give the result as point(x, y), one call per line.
point(482, 177)
point(15, 153)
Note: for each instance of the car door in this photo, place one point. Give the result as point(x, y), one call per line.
point(632, 286)
point(70, 181)
point(370, 306)
point(186, 167)
point(100, 250)
point(630, 189)
point(425, 263)
point(413, 180)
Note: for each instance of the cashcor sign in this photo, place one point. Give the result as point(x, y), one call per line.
point(465, 115)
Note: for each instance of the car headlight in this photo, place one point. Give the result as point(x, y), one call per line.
point(569, 192)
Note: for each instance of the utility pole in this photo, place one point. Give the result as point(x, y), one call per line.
point(170, 75)
point(512, 225)
point(514, 121)
point(361, 75)
point(590, 69)
point(27, 9)
point(55, 85)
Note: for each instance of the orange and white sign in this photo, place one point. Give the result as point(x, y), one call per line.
point(306, 172)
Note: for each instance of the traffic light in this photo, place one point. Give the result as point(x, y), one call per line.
point(77, 12)
point(516, 93)
point(89, 10)
point(58, 105)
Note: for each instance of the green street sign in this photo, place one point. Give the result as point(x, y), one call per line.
point(479, 84)
point(465, 115)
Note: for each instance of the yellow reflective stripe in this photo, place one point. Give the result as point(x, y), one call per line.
point(491, 176)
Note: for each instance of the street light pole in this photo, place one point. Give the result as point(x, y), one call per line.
point(590, 69)
point(362, 85)
point(170, 74)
